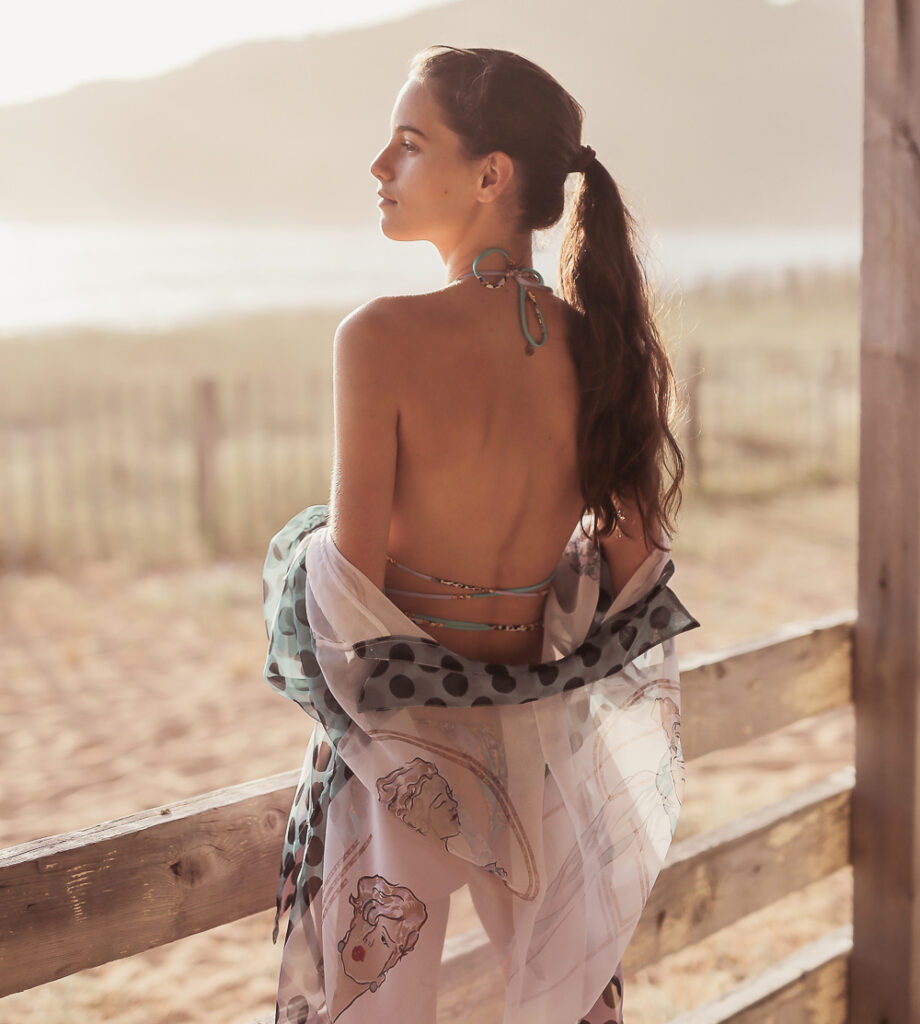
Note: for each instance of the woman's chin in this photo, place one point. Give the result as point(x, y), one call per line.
point(392, 231)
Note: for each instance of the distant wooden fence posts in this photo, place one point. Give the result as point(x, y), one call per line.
point(158, 470)
point(206, 437)
point(171, 470)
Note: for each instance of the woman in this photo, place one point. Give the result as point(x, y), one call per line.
point(451, 610)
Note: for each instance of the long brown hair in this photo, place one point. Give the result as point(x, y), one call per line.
point(498, 100)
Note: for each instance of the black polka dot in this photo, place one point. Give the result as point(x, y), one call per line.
point(401, 652)
point(289, 900)
point(576, 739)
point(309, 663)
point(298, 796)
point(297, 1011)
point(547, 674)
point(288, 863)
point(402, 687)
point(331, 703)
point(660, 617)
point(617, 624)
point(429, 668)
point(503, 684)
point(348, 773)
point(527, 700)
point(316, 816)
point(321, 755)
point(302, 833)
point(314, 885)
point(614, 668)
point(589, 654)
point(274, 676)
point(645, 647)
point(609, 997)
point(435, 702)
point(379, 669)
point(292, 830)
point(314, 852)
point(627, 637)
point(642, 609)
point(456, 684)
point(574, 683)
point(482, 700)
point(449, 661)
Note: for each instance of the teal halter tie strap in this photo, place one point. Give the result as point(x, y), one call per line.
point(527, 278)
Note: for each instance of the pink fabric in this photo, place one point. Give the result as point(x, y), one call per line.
point(557, 812)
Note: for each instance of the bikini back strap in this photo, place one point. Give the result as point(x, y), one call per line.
point(472, 589)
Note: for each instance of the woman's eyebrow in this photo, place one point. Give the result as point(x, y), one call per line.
point(409, 128)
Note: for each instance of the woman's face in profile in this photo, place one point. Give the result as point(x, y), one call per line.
point(421, 168)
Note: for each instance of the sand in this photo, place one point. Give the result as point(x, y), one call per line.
point(124, 691)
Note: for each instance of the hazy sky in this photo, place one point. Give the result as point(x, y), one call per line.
point(48, 46)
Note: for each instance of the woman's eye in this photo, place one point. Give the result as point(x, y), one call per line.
point(408, 144)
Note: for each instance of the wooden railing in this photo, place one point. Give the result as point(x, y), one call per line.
point(126, 885)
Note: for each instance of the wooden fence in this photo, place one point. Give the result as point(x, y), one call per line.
point(126, 885)
point(166, 471)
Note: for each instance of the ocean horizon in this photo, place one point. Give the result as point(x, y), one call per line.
point(136, 277)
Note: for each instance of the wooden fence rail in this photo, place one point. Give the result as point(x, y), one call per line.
point(126, 885)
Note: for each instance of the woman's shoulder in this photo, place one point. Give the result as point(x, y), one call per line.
point(391, 315)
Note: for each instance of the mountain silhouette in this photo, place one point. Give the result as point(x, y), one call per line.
point(717, 113)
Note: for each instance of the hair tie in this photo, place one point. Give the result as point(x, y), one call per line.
point(584, 159)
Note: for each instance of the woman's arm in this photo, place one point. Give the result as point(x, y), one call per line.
point(365, 376)
point(624, 553)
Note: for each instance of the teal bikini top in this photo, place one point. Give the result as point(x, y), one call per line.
point(470, 591)
point(527, 278)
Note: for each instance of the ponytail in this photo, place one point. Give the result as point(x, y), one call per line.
point(625, 377)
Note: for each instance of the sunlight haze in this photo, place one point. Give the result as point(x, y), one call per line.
point(49, 46)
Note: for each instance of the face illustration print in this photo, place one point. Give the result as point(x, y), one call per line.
point(419, 795)
point(385, 926)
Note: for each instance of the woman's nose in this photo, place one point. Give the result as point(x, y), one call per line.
point(377, 167)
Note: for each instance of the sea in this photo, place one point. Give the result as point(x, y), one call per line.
point(135, 277)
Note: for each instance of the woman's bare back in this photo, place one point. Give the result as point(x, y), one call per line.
point(487, 485)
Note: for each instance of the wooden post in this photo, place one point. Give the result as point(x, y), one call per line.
point(884, 975)
point(205, 421)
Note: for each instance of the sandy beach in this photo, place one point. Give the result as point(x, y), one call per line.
point(128, 685)
point(126, 691)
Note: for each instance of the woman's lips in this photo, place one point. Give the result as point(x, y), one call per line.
point(386, 202)
point(357, 953)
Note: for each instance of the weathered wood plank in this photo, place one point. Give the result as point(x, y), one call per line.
point(807, 987)
point(126, 885)
point(85, 898)
point(708, 882)
point(712, 879)
point(750, 689)
point(885, 963)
